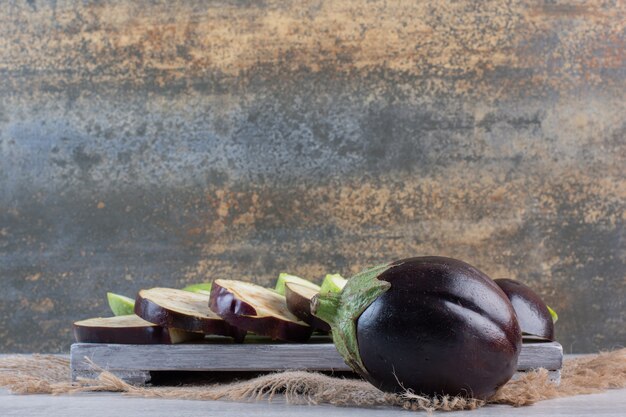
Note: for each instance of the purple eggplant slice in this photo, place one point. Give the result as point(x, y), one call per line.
point(184, 310)
point(434, 325)
point(129, 329)
point(299, 303)
point(257, 309)
point(533, 314)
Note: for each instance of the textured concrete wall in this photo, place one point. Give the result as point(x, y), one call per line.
point(149, 143)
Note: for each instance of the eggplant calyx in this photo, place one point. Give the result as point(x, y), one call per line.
point(342, 310)
point(326, 306)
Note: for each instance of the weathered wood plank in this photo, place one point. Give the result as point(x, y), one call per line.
point(207, 357)
point(547, 355)
point(249, 357)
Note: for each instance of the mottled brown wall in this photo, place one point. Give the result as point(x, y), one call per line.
point(160, 143)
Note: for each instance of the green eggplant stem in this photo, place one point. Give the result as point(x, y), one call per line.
point(325, 306)
point(341, 311)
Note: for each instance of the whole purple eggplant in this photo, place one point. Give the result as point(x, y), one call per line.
point(433, 325)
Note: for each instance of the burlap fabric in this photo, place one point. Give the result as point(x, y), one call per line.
point(46, 374)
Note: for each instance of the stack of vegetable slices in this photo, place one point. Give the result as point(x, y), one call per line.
point(228, 308)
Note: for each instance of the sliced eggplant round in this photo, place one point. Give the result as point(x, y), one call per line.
point(533, 314)
point(299, 304)
point(185, 310)
point(257, 309)
point(129, 329)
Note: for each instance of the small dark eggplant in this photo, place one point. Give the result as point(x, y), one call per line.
point(533, 315)
point(299, 303)
point(432, 325)
point(257, 309)
point(129, 329)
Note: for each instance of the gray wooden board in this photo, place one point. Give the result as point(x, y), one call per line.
point(134, 362)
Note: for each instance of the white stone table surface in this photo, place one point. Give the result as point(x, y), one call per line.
point(609, 404)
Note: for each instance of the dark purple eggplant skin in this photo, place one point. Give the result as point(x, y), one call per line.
point(300, 306)
point(146, 335)
point(532, 313)
point(154, 313)
point(443, 327)
point(240, 314)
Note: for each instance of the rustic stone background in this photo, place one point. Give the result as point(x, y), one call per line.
point(149, 143)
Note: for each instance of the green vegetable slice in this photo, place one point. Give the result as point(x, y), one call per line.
point(120, 305)
point(201, 288)
point(333, 283)
point(284, 278)
point(555, 316)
